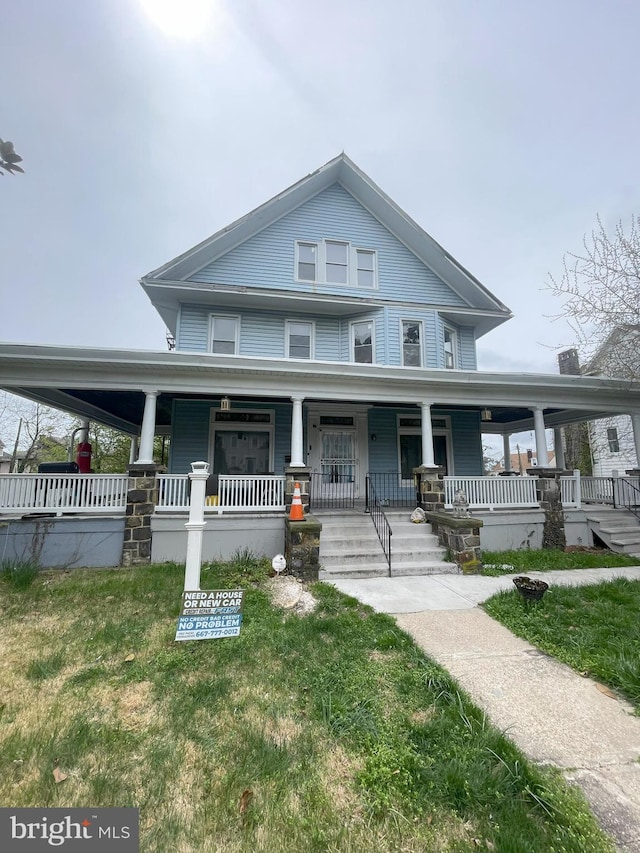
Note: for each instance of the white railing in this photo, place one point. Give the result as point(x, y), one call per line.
point(236, 493)
point(597, 489)
point(492, 492)
point(63, 493)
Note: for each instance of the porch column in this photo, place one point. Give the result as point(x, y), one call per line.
point(541, 439)
point(297, 453)
point(558, 447)
point(148, 430)
point(506, 449)
point(635, 423)
point(427, 437)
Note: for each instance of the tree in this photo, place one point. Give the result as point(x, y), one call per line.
point(9, 159)
point(600, 289)
point(38, 433)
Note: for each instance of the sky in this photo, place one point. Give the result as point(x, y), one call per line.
point(502, 127)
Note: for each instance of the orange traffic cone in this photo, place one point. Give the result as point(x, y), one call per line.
point(297, 513)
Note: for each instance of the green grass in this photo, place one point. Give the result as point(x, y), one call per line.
point(548, 559)
point(593, 629)
point(330, 732)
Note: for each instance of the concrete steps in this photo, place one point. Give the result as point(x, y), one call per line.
point(350, 548)
point(619, 529)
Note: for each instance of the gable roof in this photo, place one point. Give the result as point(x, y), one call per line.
point(343, 171)
point(617, 355)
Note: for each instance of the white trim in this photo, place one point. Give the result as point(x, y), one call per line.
point(213, 315)
point(417, 430)
point(234, 426)
point(312, 338)
point(352, 352)
point(420, 323)
point(321, 264)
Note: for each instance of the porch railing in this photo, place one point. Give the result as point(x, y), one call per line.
point(63, 493)
point(334, 488)
point(236, 493)
point(492, 492)
point(380, 520)
point(392, 490)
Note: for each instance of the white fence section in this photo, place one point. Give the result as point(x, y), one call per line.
point(63, 493)
point(571, 490)
point(597, 490)
point(492, 492)
point(236, 493)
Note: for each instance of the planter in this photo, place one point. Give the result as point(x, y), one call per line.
point(530, 590)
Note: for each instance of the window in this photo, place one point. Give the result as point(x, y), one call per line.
point(224, 335)
point(450, 348)
point(241, 441)
point(612, 438)
point(307, 261)
point(299, 338)
point(365, 270)
point(337, 263)
point(411, 343)
point(410, 444)
point(362, 339)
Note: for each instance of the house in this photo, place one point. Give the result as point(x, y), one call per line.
point(325, 334)
point(5, 460)
point(611, 443)
point(521, 461)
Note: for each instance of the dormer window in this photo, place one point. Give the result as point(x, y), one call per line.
point(336, 262)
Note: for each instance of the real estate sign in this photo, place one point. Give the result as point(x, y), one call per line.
point(210, 614)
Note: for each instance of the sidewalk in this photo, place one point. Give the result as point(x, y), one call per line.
point(553, 714)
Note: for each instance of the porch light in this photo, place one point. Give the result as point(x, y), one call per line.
point(485, 414)
point(225, 404)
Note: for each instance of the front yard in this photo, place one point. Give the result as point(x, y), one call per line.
point(325, 732)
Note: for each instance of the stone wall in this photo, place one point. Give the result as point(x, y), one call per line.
point(302, 548)
point(461, 538)
point(430, 487)
point(142, 497)
point(550, 499)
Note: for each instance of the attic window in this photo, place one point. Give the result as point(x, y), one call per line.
point(335, 262)
point(307, 261)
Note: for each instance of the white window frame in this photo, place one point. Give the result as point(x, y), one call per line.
point(236, 343)
point(420, 325)
point(417, 430)
point(613, 439)
point(312, 338)
point(352, 340)
point(447, 328)
point(236, 426)
point(347, 264)
point(321, 263)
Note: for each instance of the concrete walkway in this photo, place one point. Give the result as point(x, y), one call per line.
point(553, 714)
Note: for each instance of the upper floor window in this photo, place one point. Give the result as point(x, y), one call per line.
point(224, 335)
point(450, 348)
point(335, 262)
point(362, 341)
point(299, 339)
point(613, 440)
point(411, 343)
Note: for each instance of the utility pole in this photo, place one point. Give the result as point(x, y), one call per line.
point(14, 457)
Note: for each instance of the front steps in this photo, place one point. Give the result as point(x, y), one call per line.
point(350, 548)
point(619, 529)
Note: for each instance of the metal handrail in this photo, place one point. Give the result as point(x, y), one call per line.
point(380, 520)
point(626, 495)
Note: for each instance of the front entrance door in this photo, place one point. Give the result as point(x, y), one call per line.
point(338, 463)
point(335, 439)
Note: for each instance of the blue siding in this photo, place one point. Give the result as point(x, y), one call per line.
point(268, 259)
point(191, 427)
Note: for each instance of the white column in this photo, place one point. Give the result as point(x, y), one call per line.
point(427, 436)
point(541, 439)
point(195, 525)
point(558, 447)
point(84, 433)
point(635, 423)
point(506, 449)
point(297, 454)
point(148, 430)
point(133, 449)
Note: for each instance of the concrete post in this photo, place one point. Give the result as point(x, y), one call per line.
point(148, 431)
point(542, 454)
point(195, 525)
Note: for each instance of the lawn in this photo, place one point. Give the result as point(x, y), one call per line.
point(593, 629)
point(329, 732)
point(548, 559)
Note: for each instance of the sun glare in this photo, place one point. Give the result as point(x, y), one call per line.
point(186, 19)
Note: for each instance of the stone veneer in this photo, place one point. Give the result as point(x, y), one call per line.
point(461, 537)
point(142, 497)
point(429, 482)
point(293, 476)
point(302, 547)
point(549, 497)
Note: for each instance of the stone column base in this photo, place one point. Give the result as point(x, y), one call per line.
point(461, 537)
point(302, 547)
point(293, 476)
point(429, 487)
point(142, 497)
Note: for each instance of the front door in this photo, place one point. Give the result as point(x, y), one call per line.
point(335, 437)
point(338, 463)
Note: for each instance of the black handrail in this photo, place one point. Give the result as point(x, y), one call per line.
point(628, 495)
point(380, 520)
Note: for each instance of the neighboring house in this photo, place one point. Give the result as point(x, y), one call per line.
point(5, 460)
point(326, 330)
point(611, 439)
point(523, 460)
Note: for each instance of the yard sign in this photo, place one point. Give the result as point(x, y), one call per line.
point(210, 614)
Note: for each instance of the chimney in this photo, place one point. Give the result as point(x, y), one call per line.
point(569, 362)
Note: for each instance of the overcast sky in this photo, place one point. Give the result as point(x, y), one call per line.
point(502, 127)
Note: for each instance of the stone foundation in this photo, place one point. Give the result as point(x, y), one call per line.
point(302, 548)
point(461, 538)
point(142, 497)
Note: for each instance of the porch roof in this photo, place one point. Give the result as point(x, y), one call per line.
point(107, 385)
